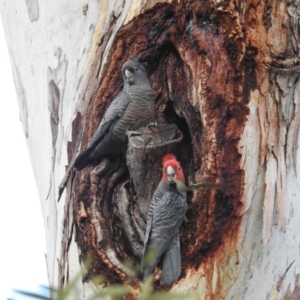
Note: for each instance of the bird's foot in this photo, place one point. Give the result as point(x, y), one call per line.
point(132, 132)
point(152, 124)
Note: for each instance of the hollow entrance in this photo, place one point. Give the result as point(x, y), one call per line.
point(184, 63)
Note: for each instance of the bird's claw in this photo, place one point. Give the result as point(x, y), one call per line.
point(152, 124)
point(130, 133)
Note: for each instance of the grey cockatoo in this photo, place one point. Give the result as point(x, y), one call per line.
point(132, 108)
point(165, 215)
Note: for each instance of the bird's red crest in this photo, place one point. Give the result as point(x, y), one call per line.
point(167, 157)
point(171, 160)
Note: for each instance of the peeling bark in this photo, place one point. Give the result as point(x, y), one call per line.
point(226, 77)
point(204, 62)
point(33, 9)
point(209, 112)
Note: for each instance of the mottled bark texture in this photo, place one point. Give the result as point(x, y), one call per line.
point(205, 60)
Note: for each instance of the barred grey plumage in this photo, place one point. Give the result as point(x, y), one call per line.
point(132, 108)
point(165, 216)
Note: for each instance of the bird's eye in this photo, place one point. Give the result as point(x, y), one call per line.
point(136, 69)
point(179, 169)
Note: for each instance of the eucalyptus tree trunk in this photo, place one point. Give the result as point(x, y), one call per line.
point(225, 74)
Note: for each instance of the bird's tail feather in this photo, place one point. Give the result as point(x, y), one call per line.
point(83, 159)
point(171, 266)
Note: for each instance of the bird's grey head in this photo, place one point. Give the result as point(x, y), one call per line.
point(134, 72)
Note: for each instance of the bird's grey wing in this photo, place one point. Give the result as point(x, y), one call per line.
point(167, 218)
point(156, 198)
point(171, 265)
point(147, 269)
point(148, 229)
point(103, 132)
point(83, 158)
point(113, 113)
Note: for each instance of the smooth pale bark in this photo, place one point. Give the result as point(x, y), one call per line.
point(231, 71)
point(50, 47)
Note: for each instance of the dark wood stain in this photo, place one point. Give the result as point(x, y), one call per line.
point(177, 41)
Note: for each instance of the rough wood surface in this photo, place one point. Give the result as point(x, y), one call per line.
point(226, 73)
point(111, 202)
point(210, 66)
point(143, 158)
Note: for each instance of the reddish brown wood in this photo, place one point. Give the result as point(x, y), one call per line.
point(202, 68)
point(193, 61)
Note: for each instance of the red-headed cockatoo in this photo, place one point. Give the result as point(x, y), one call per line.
point(165, 215)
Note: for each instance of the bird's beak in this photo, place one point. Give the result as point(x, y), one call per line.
point(171, 174)
point(129, 76)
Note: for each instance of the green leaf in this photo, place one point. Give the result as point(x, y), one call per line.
point(64, 292)
point(49, 288)
point(114, 291)
point(97, 280)
point(171, 295)
point(32, 295)
point(183, 188)
point(148, 257)
point(146, 289)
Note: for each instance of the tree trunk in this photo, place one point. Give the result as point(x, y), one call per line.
point(225, 73)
